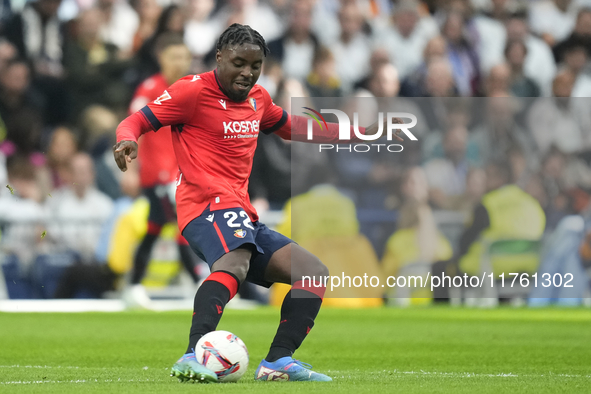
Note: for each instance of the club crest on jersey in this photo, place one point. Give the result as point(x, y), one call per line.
point(240, 233)
point(253, 103)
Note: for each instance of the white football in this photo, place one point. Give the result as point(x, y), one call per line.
point(223, 353)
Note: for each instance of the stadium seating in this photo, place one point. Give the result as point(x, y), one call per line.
point(48, 270)
point(18, 283)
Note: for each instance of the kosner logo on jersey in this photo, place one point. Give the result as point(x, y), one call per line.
point(345, 130)
point(245, 126)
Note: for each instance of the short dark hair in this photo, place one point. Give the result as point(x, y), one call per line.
point(521, 13)
point(167, 40)
point(238, 34)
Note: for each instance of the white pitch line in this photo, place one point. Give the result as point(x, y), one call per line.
point(44, 366)
point(76, 381)
point(466, 374)
point(422, 373)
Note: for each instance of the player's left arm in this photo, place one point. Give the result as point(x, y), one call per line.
point(295, 128)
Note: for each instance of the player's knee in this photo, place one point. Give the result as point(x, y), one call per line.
point(318, 269)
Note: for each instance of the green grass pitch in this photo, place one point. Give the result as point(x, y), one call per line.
point(431, 350)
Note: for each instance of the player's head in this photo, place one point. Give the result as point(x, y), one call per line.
point(239, 56)
point(173, 56)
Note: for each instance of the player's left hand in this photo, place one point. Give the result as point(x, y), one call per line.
point(124, 152)
point(373, 129)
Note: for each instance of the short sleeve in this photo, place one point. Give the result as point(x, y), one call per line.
point(274, 117)
point(174, 106)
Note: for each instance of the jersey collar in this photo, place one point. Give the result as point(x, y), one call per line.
point(215, 74)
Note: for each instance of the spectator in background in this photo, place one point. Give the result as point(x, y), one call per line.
point(465, 202)
point(447, 175)
point(539, 63)
point(417, 239)
point(78, 210)
point(406, 36)
point(499, 129)
point(323, 80)
point(148, 12)
point(97, 126)
point(146, 59)
point(566, 251)
point(19, 100)
point(462, 55)
point(271, 77)
point(257, 15)
point(505, 212)
point(295, 50)
point(106, 268)
point(352, 50)
point(499, 10)
point(563, 178)
point(25, 131)
point(486, 35)
point(7, 52)
point(200, 31)
point(520, 84)
point(575, 59)
point(16, 91)
point(438, 84)
point(580, 34)
point(413, 85)
point(439, 80)
point(553, 183)
point(120, 23)
point(378, 57)
point(94, 66)
point(22, 210)
point(384, 83)
point(62, 146)
point(561, 121)
point(37, 35)
point(553, 20)
point(498, 80)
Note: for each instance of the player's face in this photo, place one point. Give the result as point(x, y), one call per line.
point(175, 61)
point(239, 67)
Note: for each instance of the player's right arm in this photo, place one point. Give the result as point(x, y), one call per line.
point(175, 106)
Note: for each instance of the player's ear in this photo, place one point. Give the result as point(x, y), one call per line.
point(218, 56)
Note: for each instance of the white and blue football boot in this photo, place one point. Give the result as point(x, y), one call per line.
point(288, 369)
point(188, 369)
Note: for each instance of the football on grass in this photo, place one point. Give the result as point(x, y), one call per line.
point(223, 353)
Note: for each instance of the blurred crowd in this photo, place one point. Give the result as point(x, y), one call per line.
point(489, 80)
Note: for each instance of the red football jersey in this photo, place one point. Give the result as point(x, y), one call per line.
point(157, 161)
point(214, 139)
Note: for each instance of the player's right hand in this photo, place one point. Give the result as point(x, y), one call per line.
point(124, 152)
